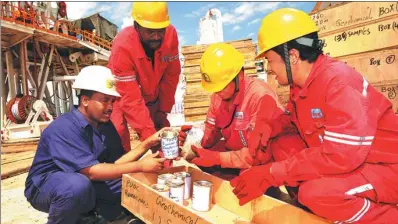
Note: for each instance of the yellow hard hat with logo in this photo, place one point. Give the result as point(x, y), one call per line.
point(281, 26)
point(152, 15)
point(219, 65)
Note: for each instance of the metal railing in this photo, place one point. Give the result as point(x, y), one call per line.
point(33, 18)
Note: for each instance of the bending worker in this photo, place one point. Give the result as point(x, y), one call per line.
point(237, 104)
point(349, 172)
point(146, 65)
point(79, 160)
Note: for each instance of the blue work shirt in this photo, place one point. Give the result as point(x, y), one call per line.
point(70, 144)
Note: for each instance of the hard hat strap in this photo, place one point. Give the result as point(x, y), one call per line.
point(237, 83)
point(287, 63)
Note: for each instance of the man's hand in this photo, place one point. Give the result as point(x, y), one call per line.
point(205, 158)
point(153, 141)
point(259, 137)
point(253, 183)
point(182, 135)
point(151, 163)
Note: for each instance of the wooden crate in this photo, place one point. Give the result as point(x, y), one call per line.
point(151, 207)
point(371, 37)
point(390, 90)
point(375, 66)
point(353, 14)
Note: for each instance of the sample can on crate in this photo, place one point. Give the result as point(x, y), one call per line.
point(162, 178)
point(176, 190)
point(201, 195)
point(188, 183)
point(169, 144)
point(163, 189)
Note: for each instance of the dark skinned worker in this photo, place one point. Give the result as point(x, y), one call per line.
point(80, 159)
point(146, 65)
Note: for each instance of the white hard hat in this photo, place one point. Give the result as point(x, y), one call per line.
point(96, 78)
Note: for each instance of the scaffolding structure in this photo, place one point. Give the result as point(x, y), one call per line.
point(41, 55)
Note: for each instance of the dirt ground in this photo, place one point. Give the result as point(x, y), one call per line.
point(14, 207)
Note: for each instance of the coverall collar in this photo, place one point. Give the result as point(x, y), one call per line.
point(313, 74)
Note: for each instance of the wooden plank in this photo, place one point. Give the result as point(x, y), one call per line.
point(353, 14)
point(375, 66)
point(195, 118)
point(247, 56)
point(367, 38)
point(12, 169)
point(15, 157)
point(196, 111)
point(390, 90)
point(196, 68)
point(204, 103)
point(197, 76)
point(201, 48)
point(243, 50)
point(18, 147)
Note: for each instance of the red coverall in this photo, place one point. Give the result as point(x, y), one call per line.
point(351, 166)
point(234, 149)
point(145, 90)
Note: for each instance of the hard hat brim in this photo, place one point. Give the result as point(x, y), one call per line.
point(153, 25)
point(106, 92)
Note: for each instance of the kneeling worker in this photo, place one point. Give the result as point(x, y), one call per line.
point(349, 172)
point(79, 160)
point(237, 103)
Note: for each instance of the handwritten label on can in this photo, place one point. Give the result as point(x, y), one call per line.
point(169, 144)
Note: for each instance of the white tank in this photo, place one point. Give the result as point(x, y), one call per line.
point(210, 28)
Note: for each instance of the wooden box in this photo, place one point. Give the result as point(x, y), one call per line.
point(151, 207)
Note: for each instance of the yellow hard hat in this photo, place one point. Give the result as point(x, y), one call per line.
point(219, 65)
point(281, 26)
point(152, 15)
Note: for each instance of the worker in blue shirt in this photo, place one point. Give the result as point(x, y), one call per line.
point(80, 159)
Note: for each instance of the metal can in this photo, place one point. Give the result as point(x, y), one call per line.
point(176, 190)
point(201, 195)
point(162, 178)
point(188, 182)
point(163, 189)
point(169, 144)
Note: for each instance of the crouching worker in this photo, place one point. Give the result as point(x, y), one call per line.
point(237, 103)
point(349, 172)
point(79, 161)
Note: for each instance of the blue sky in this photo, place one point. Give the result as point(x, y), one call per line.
point(240, 19)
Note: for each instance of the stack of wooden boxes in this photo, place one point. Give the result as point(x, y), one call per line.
point(197, 100)
point(365, 36)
